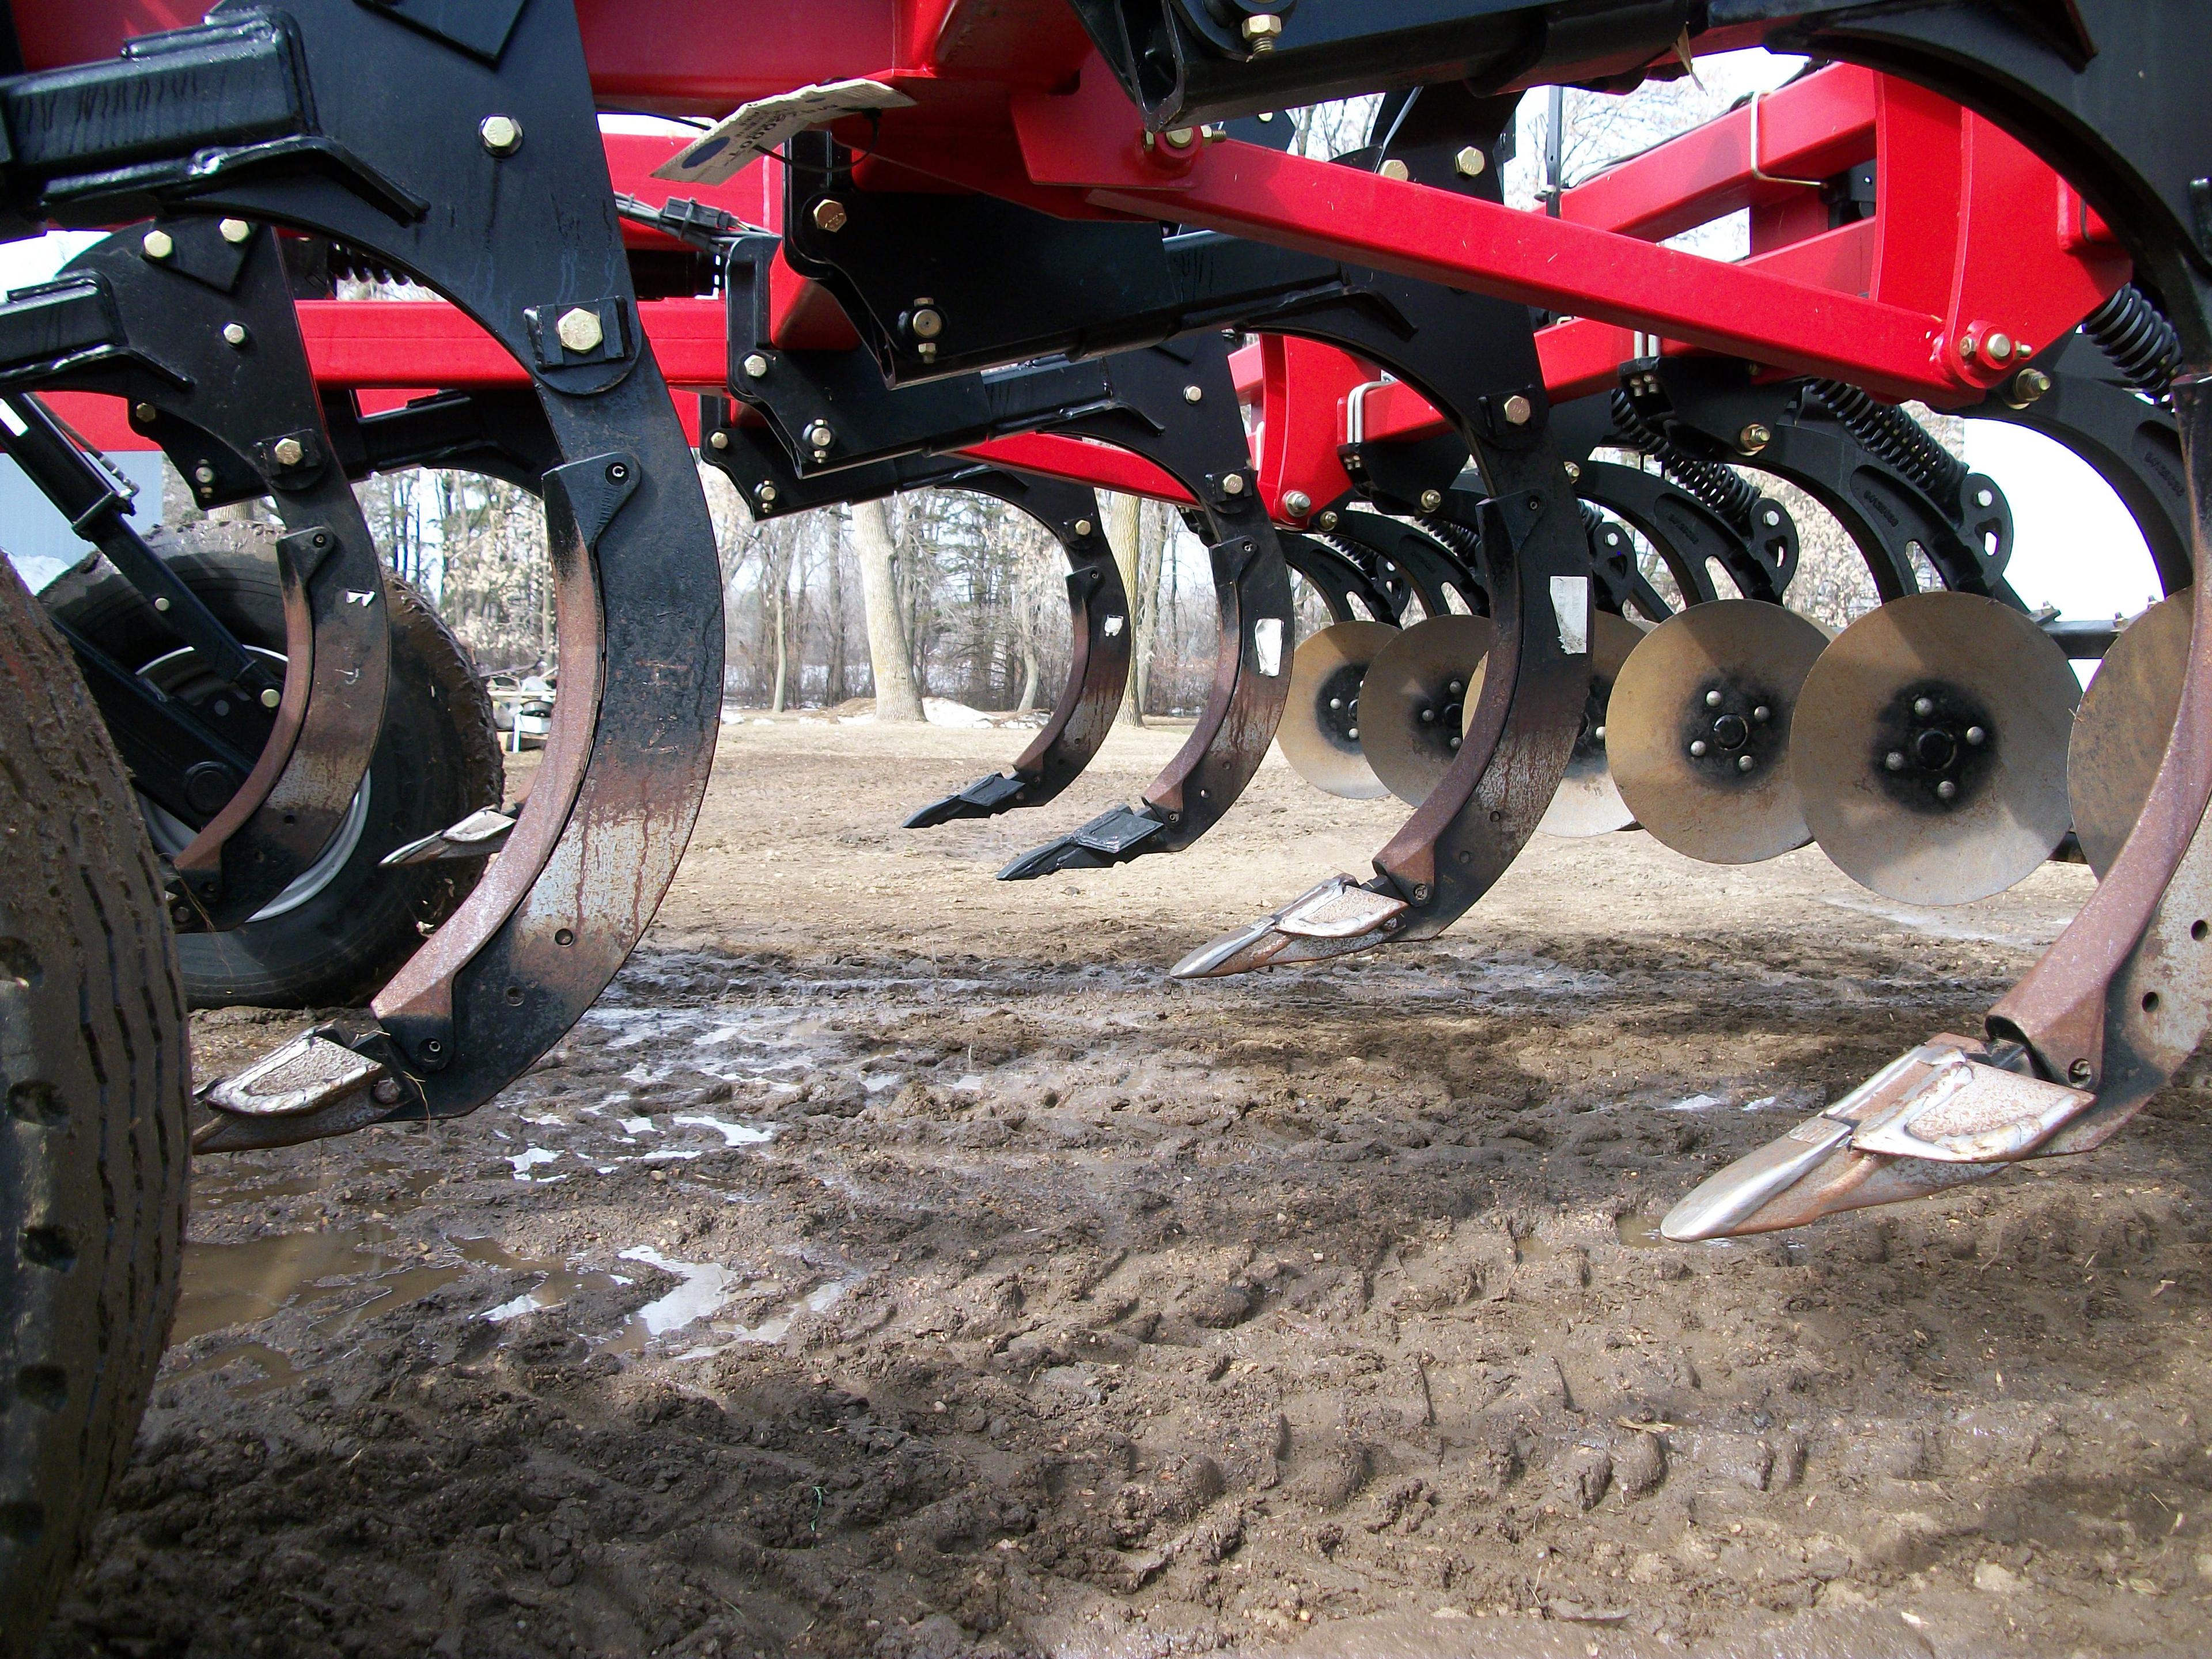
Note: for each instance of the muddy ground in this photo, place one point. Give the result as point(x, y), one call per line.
point(895, 1263)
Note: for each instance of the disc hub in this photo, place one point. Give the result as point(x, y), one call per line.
point(1336, 707)
point(1934, 747)
point(1733, 732)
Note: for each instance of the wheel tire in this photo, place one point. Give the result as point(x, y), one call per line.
point(93, 1144)
point(437, 761)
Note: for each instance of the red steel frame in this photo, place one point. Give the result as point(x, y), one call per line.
point(1972, 236)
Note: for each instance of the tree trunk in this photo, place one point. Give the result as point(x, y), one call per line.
point(1125, 532)
point(1145, 601)
point(896, 698)
point(834, 690)
point(782, 658)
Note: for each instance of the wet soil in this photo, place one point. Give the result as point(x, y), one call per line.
point(897, 1263)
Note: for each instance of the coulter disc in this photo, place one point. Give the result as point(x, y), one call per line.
point(1320, 730)
point(1699, 729)
point(1589, 802)
point(1931, 747)
point(1411, 703)
point(2121, 733)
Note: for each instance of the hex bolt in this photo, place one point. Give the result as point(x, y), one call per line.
point(927, 323)
point(1431, 500)
point(1233, 484)
point(768, 495)
point(1194, 394)
point(1754, 437)
point(2028, 386)
point(829, 215)
point(755, 366)
point(1518, 410)
point(159, 245)
point(1470, 162)
point(1946, 789)
point(1976, 737)
point(146, 412)
point(287, 451)
point(1327, 521)
point(1396, 171)
point(1894, 760)
point(1261, 31)
point(270, 698)
point(501, 134)
point(1297, 503)
point(718, 440)
point(580, 330)
point(1084, 527)
point(386, 1092)
point(234, 335)
point(1697, 748)
point(820, 436)
point(234, 231)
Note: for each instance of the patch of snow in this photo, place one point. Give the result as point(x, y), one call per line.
point(733, 1134)
point(943, 711)
point(1695, 1103)
point(523, 1161)
point(639, 1126)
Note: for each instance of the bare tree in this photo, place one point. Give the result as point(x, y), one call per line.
point(895, 696)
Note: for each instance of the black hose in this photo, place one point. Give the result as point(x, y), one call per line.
point(1892, 436)
point(2140, 343)
point(1716, 486)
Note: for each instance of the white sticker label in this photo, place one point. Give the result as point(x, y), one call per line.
point(1114, 626)
point(354, 596)
point(1267, 644)
point(1571, 604)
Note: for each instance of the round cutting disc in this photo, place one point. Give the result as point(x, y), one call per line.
point(1320, 731)
point(1589, 802)
point(1699, 729)
point(1411, 702)
point(1931, 747)
point(2121, 733)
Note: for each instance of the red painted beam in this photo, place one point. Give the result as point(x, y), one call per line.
point(1082, 461)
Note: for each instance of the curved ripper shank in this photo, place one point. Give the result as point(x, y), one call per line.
point(212, 367)
point(386, 120)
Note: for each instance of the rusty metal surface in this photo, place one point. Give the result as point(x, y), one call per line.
point(222, 408)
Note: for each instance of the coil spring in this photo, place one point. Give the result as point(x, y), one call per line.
point(2140, 343)
point(1892, 436)
point(1463, 544)
point(1715, 485)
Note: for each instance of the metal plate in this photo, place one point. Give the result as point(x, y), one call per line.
point(1410, 715)
point(1320, 733)
point(1702, 801)
point(2120, 733)
point(1931, 693)
point(1589, 802)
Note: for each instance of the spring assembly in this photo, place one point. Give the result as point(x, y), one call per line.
point(1716, 486)
point(1462, 541)
point(2140, 343)
point(1891, 436)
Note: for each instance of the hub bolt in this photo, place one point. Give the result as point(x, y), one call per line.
point(1762, 714)
point(501, 134)
point(1745, 762)
point(1894, 760)
point(1946, 789)
point(1712, 699)
point(1923, 706)
point(1699, 749)
point(1976, 737)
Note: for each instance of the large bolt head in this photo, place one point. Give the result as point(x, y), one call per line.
point(1193, 394)
point(718, 440)
point(234, 231)
point(270, 698)
point(755, 366)
point(159, 245)
point(820, 435)
point(1233, 484)
point(580, 330)
point(768, 495)
point(235, 334)
point(1396, 170)
point(501, 134)
point(1470, 162)
point(1518, 410)
point(287, 451)
point(829, 215)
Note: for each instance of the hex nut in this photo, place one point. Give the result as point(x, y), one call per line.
point(1297, 503)
point(1754, 437)
point(1262, 30)
point(580, 330)
point(501, 134)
